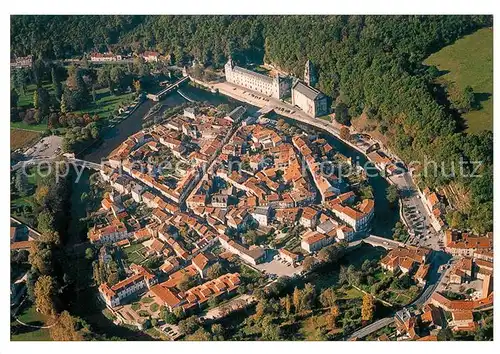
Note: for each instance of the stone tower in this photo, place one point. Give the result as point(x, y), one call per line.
point(309, 74)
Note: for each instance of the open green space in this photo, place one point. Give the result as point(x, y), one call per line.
point(106, 103)
point(30, 316)
point(349, 293)
point(469, 62)
point(31, 127)
point(134, 254)
point(26, 99)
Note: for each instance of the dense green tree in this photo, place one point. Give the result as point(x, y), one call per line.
point(14, 97)
point(89, 253)
point(45, 221)
point(328, 297)
point(21, 183)
point(391, 194)
point(41, 101)
point(170, 317)
point(118, 77)
point(81, 91)
point(466, 100)
point(215, 271)
point(341, 113)
point(189, 325)
point(20, 80)
point(56, 83)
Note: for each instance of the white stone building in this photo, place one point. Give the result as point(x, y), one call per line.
point(277, 87)
point(312, 101)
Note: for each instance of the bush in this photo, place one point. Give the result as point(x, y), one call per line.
point(154, 307)
point(170, 318)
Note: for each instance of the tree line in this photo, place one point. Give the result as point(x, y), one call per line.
point(366, 64)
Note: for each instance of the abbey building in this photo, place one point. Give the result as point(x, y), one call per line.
point(277, 87)
point(310, 100)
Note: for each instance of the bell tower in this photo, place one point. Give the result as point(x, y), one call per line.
point(309, 74)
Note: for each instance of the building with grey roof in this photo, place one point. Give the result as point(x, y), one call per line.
point(277, 87)
point(312, 101)
point(236, 114)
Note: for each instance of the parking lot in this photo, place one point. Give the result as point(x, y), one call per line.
point(49, 146)
point(416, 215)
point(278, 268)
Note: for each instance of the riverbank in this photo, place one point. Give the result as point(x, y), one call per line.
point(385, 217)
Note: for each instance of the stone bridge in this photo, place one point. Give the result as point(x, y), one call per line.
point(378, 241)
point(70, 160)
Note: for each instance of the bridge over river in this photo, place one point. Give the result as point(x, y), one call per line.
point(157, 97)
point(386, 243)
point(65, 160)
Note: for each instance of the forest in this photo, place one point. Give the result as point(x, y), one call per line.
point(370, 65)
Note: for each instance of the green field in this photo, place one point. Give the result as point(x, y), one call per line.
point(29, 316)
point(134, 254)
point(469, 61)
point(106, 103)
point(26, 100)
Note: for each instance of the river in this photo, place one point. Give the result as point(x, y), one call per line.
point(385, 217)
point(382, 225)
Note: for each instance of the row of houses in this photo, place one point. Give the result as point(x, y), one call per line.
point(460, 243)
point(408, 260)
point(198, 296)
point(147, 56)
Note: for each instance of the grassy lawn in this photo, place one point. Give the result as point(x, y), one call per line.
point(22, 138)
point(26, 100)
point(156, 334)
point(134, 254)
point(326, 118)
point(469, 61)
point(147, 300)
point(31, 127)
point(154, 307)
point(350, 293)
point(106, 103)
point(29, 315)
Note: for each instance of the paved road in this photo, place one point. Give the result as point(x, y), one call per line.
point(434, 279)
point(415, 214)
point(373, 327)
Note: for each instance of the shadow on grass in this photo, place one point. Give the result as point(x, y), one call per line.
point(479, 98)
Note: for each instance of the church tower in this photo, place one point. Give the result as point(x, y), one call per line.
point(309, 74)
point(228, 69)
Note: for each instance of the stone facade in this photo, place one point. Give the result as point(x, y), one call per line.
point(277, 87)
point(313, 102)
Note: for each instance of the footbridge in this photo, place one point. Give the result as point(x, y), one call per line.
point(185, 96)
point(157, 97)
